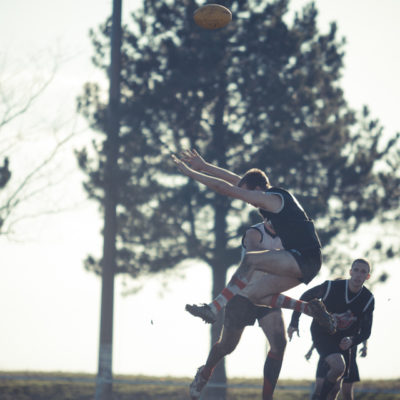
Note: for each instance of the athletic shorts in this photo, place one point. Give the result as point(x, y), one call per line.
point(351, 375)
point(241, 312)
point(309, 261)
point(326, 345)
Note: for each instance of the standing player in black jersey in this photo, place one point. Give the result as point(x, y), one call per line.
point(298, 261)
point(352, 305)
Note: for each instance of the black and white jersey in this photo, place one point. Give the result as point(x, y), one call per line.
point(291, 222)
point(348, 308)
point(268, 240)
point(353, 311)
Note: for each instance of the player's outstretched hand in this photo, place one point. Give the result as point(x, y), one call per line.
point(193, 158)
point(290, 330)
point(363, 351)
point(309, 353)
point(182, 167)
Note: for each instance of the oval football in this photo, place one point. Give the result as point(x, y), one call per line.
point(212, 16)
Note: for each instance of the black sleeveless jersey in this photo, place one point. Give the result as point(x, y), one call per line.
point(347, 308)
point(292, 224)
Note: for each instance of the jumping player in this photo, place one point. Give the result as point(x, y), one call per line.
point(298, 261)
point(352, 305)
point(241, 312)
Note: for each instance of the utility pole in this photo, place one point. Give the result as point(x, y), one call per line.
point(104, 375)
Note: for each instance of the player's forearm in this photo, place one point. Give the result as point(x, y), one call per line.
point(315, 292)
point(360, 337)
point(217, 184)
point(365, 329)
point(294, 322)
point(221, 173)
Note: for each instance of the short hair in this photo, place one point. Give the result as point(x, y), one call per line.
point(364, 261)
point(255, 177)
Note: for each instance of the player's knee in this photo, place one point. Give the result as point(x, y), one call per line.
point(254, 298)
point(280, 343)
point(274, 329)
point(266, 300)
point(221, 349)
point(246, 262)
point(226, 345)
point(337, 367)
point(250, 260)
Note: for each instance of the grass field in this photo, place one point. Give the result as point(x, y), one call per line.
point(61, 386)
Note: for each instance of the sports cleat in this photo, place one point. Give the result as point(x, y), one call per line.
point(322, 316)
point(198, 384)
point(204, 312)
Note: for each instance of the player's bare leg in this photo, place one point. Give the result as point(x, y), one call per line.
point(208, 312)
point(228, 341)
point(337, 367)
point(274, 328)
point(285, 274)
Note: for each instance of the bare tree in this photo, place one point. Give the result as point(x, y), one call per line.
point(29, 147)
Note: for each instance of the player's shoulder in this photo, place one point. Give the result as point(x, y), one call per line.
point(276, 189)
point(338, 282)
point(334, 285)
point(369, 299)
point(259, 225)
point(368, 292)
point(254, 231)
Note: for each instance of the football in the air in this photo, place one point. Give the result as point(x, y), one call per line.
point(212, 16)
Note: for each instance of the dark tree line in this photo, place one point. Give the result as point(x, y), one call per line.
point(258, 93)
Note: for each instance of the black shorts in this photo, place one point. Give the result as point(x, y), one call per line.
point(351, 375)
point(241, 312)
point(326, 345)
point(322, 368)
point(309, 261)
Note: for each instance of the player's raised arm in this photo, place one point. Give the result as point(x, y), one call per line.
point(256, 197)
point(218, 185)
point(197, 162)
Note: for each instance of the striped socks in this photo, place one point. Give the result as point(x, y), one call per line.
point(282, 301)
point(234, 286)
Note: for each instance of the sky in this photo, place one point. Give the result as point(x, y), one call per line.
point(49, 304)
